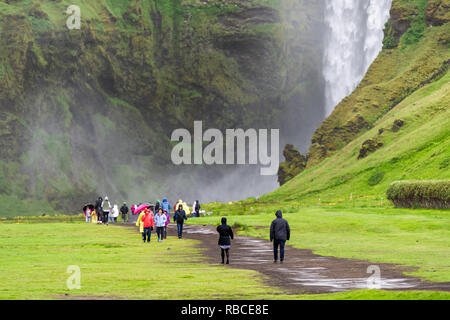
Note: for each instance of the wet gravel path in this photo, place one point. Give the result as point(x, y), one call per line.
point(303, 271)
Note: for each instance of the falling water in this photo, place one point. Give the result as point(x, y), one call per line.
point(354, 39)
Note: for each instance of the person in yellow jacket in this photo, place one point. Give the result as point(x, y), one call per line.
point(146, 223)
point(185, 207)
point(139, 222)
point(94, 217)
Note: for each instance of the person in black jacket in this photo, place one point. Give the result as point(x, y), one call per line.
point(197, 209)
point(279, 234)
point(225, 234)
point(98, 208)
point(124, 211)
point(179, 217)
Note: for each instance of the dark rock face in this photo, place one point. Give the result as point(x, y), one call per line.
point(397, 125)
point(401, 18)
point(294, 164)
point(369, 146)
point(438, 12)
point(88, 112)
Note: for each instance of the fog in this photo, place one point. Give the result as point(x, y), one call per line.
point(89, 145)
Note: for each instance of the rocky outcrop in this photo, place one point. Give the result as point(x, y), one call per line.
point(369, 146)
point(294, 164)
point(438, 12)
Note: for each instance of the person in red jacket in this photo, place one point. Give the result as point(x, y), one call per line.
point(147, 220)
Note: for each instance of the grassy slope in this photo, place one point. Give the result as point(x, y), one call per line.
point(116, 265)
point(420, 150)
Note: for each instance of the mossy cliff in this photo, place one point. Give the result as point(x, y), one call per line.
point(394, 126)
point(90, 111)
point(416, 53)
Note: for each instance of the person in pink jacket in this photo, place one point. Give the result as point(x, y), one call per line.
point(167, 223)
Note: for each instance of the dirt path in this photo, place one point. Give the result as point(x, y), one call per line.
point(303, 271)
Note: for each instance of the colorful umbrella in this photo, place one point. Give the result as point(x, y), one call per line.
point(90, 206)
point(141, 208)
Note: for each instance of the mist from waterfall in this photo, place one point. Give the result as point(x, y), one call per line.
point(353, 41)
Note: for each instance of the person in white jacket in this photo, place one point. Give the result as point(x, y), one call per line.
point(160, 222)
point(115, 213)
point(106, 208)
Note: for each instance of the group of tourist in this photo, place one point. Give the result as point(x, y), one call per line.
point(158, 217)
point(103, 212)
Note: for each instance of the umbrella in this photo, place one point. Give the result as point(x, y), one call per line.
point(141, 208)
point(90, 206)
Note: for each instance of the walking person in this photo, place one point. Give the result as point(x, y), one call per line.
point(160, 223)
point(115, 213)
point(124, 212)
point(279, 234)
point(179, 217)
point(146, 223)
point(106, 208)
point(94, 217)
point(197, 208)
point(166, 205)
point(87, 213)
point(98, 209)
point(185, 207)
point(157, 206)
point(167, 223)
point(225, 237)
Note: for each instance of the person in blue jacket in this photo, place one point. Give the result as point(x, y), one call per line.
point(165, 205)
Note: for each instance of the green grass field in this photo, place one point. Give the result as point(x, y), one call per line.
point(115, 264)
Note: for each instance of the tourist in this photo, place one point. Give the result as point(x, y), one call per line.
point(160, 223)
point(279, 234)
point(225, 237)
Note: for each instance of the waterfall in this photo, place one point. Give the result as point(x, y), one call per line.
point(353, 41)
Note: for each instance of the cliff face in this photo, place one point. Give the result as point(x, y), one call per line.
point(413, 57)
point(90, 111)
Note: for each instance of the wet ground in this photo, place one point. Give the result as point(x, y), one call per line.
point(303, 271)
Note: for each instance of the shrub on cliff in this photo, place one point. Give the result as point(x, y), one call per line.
point(420, 194)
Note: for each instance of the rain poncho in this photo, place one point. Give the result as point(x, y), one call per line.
point(140, 220)
point(115, 211)
point(106, 205)
point(185, 206)
point(94, 218)
point(166, 205)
